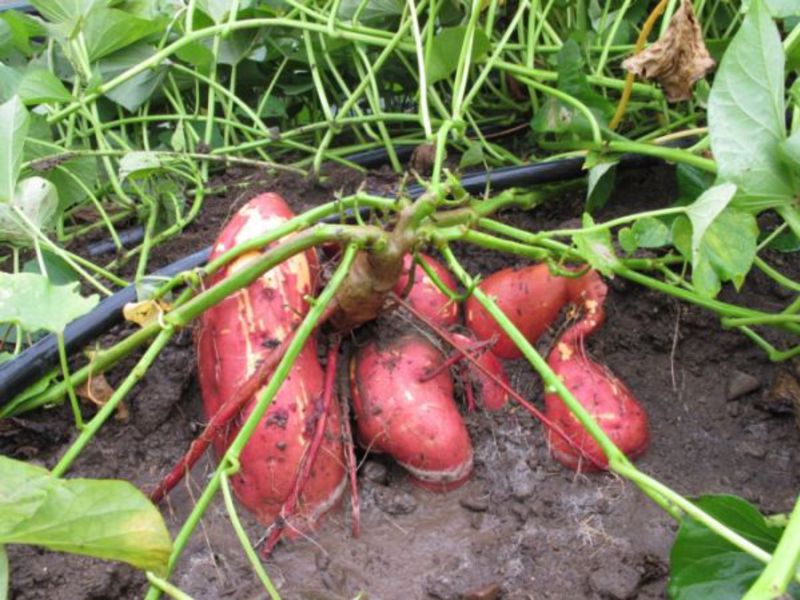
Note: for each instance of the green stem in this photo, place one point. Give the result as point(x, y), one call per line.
point(73, 399)
point(782, 568)
point(252, 557)
point(111, 405)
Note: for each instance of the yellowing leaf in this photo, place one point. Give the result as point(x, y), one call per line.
point(145, 312)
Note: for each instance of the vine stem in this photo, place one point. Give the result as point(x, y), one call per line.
point(669, 500)
point(249, 551)
point(782, 568)
point(90, 430)
point(231, 456)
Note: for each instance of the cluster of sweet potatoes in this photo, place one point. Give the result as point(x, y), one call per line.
point(293, 469)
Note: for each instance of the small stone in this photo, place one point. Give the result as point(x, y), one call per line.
point(615, 580)
point(395, 502)
point(488, 592)
point(523, 487)
point(476, 501)
point(476, 521)
point(375, 472)
point(740, 384)
point(753, 449)
point(734, 409)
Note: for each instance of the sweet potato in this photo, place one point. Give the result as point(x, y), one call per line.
point(424, 295)
point(491, 395)
point(237, 335)
point(588, 294)
point(270, 460)
point(530, 296)
point(417, 423)
point(606, 398)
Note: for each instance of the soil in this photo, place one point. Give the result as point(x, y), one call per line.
point(522, 527)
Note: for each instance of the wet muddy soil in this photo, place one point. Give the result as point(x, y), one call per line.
point(523, 527)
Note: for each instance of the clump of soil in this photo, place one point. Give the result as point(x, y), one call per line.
point(523, 527)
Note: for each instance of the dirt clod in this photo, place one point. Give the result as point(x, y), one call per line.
point(740, 384)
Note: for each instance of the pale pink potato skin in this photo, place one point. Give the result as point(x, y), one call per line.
point(418, 424)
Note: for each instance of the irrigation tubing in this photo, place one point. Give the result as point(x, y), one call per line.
point(42, 357)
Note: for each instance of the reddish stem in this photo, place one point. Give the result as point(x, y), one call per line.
point(307, 462)
point(468, 391)
point(456, 358)
point(508, 389)
point(350, 460)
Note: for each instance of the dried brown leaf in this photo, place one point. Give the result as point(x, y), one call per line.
point(98, 391)
point(678, 59)
point(145, 312)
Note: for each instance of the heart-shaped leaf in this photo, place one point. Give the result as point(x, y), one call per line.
point(102, 518)
point(31, 301)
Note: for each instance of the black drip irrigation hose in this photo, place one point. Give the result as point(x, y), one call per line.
point(42, 357)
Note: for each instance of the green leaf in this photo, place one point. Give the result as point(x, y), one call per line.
point(786, 242)
point(66, 178)
point(138, 89)
point(691, 183)
point(651, 233)
point(380, 12)
point(704, 210)
point(273, 107)
point(600, 184)
point(59, 271)
point(704, 566)
point(472, 156)
point(790, 150)
point(14, 121)
point(102, 518)
point(627, 239)
point(726, 252)
point(3, 573)
point(138, 164)
point(572, 79)
point(39, 85)
point(446, 50)
point(67, 11)
point(9, 82)
point(596, 247)
point(218, 9)
point(37, 199)
point(780, 9)
point(31, 301)
point(746, 114)
point(19, 28)
point(237, 46)
point(108, 30)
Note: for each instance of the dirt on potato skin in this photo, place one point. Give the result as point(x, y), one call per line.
point(523, 527)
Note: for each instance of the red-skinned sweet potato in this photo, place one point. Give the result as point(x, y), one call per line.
point(491, 395)
point(240, 332)
point(417, 423)
point(530, 296)
point(606, 398)
point(424, 295)
point(271, 458)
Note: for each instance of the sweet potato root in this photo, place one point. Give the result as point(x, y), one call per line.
point(606, 398)
point(424, 295)
point(233, 339)
point(531, 297)
point(416, 422)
